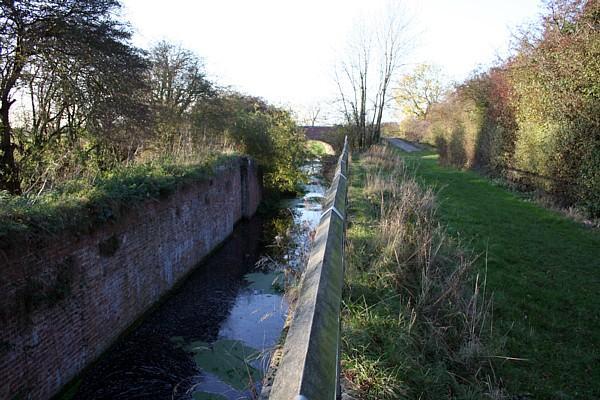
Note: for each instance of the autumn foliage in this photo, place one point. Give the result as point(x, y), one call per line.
point(534, 119)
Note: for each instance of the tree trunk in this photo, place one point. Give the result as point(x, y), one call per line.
point(9, 173)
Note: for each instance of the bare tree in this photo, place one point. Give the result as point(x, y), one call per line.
point(177, 78)
point(313, 113)
point(364, 77)
point(310, 114)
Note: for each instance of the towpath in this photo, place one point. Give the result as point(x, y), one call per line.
point(403, 145)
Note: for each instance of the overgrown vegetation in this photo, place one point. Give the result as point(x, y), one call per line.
point(541, 268)
point(90, 123)
point(79, 205)
point(416, 318)
point(534, 119)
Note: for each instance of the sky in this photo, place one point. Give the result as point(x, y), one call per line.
point(285, 51)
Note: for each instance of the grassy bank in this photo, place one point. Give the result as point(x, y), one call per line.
point(80, 205)
point(543, 270)
point(414, 312)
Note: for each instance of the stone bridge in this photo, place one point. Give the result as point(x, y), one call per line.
point(327, 134)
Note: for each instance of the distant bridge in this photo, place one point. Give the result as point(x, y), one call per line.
point(327, 134)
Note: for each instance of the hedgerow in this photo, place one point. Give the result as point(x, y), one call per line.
point(535, 119)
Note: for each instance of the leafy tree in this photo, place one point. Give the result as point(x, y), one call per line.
point(80, 51)
point(270, 135)
point(556, 79)
point(419, 90)
point(178, 84)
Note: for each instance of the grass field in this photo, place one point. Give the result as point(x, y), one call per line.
point(544, 271)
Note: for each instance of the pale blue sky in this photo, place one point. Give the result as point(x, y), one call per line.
point(285, 51)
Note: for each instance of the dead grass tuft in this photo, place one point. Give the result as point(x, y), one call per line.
point(412, 290)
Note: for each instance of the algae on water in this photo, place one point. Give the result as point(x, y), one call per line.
point(268, 283)
point(229, 360)
point(207, 396)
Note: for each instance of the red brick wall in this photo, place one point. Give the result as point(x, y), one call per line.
point(63, 304)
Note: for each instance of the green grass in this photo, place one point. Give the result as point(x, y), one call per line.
point(79, 206)
point(370, 311)
point(319, 149)
point(401, 296)
point(544, 271)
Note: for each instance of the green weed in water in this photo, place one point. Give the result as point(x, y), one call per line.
point(267, 283)
point(207, 396)
point(229, 360)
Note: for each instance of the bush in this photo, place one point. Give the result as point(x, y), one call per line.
point(455, 124)
point(270, 135)
point(414, 129)
point(538, 113)
point(80, 205)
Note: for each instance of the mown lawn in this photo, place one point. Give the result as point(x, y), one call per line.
point(544, 271)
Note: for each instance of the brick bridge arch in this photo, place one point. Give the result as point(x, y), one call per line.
point(327, 134)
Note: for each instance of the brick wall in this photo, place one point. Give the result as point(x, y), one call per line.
point(63, 304)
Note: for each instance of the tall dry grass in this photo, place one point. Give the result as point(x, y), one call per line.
point(443, 310)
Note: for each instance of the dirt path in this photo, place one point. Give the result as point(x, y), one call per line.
point(403, 145)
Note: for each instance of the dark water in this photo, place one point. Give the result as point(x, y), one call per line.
point(211, 339)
